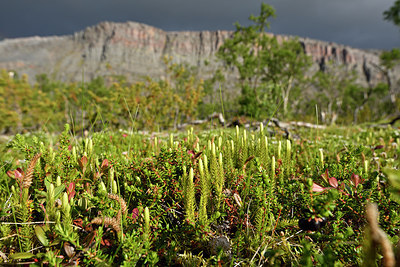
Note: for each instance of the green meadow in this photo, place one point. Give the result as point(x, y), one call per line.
point(230, 197)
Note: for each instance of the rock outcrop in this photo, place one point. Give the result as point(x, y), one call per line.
point(137, 50)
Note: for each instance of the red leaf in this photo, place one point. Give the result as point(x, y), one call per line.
point(104, 164)
point(325, 175)
point(317, 188)
point(84, 161)
point(356, 179)
point(135, 213)
point(10, 174)
point(71, 190)
point(191, 153)
point(88, 189)
point(19, 173)
point(333, 182)
point(106, 242)
point(78, 222)
point(71, 187)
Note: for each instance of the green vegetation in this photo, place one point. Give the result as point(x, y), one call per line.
point(266, 71)
point(101, 193)
point(100, 103)
point(217, 198)
point(393, 13)
point(389, 59)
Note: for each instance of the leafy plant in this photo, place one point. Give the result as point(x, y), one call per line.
point(268, 68)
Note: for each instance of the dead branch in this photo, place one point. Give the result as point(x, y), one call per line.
point(378, 236)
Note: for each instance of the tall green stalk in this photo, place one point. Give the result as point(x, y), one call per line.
point(190, 197)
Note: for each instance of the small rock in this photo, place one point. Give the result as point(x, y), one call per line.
point(219, 242)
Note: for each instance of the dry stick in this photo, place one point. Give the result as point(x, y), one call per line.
point(287, 238)
point(255, 253)
point(378, 236)
point(8, 236)
point(4, 256)
point(27, 223)
point(277, 220)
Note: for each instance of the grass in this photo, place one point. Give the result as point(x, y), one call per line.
point(223, 197)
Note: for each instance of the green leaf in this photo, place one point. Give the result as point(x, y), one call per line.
point(22, 256)
point(41, 193)
point(41, 234)
point(58, 190)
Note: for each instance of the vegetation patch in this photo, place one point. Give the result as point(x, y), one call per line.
point(228, 197)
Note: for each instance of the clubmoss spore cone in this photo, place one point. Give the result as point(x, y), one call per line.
point(27, 180)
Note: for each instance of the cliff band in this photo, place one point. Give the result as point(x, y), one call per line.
point(137, 50)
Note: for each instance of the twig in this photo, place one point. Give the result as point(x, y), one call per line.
point(171, 209)
point(378, 236)
point(9, 205)
point(255, 254)
point(27, 223)
point(30, 223)
point(8, 236)
point(298, 232)
point(3, 256)
point(35, 249)
point(277, 220)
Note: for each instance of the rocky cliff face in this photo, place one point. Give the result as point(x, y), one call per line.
point(136, 50)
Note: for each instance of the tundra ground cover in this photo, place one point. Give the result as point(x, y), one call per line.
point(222, 197)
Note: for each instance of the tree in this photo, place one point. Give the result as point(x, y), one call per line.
point(393, 14)
point(267, 68)
point(389, 59)
point(331, 85)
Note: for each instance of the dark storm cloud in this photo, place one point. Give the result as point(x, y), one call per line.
point(354, 22)
point(358, 23)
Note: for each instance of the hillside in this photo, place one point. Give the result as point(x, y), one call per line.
point(136, 50)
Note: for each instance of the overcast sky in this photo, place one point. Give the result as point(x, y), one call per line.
point(358, 23)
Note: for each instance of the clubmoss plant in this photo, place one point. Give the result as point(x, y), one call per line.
point(205, 193)
point(321, 157)
point(22, 204)
point(288, 149)
point(366, 166)
point(171, 140)
point(279, 149)
point(146, 226)
point(220, 179)
point(190, 200)
point(262, 202)
point(273, 167)
point(155, 145)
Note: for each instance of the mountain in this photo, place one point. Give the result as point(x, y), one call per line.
point(137, 50)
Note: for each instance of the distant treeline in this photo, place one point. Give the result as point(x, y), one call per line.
point(163, 104)
point(98, 104)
